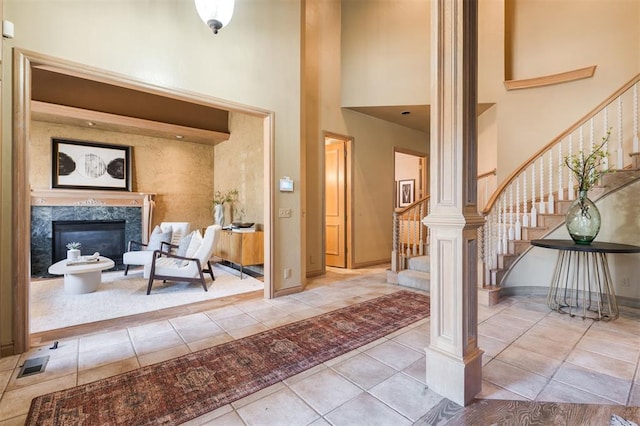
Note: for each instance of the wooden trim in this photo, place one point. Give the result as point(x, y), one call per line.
point(23, 62)
point(69, 197)
point(60, 114)
point(547, 80)
point(360, 265)
point(534, 157)
point(289, 290)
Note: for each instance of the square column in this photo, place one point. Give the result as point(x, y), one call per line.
point(454, 362)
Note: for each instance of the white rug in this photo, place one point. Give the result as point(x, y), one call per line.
point(118, 296)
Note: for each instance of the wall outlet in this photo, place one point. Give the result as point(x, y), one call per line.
point(287, 273)
point(626, 282)
point(284, 212)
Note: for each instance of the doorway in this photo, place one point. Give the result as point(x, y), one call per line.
point(337, 186)
point(25, 62)
point(411, 177)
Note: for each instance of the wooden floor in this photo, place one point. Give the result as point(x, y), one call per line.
point(499, 412)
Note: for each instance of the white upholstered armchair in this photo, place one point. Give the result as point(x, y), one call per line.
point(141, 254)
point(186, 265)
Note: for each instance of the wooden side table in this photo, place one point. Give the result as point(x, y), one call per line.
point(581, 283)
point(241, 248)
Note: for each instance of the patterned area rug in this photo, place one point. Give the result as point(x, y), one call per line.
point(183, 388)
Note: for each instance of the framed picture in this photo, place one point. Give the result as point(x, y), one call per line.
point(90, 165)
point(406, 192)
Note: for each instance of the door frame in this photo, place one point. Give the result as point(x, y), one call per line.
point(348, 147)
point(23, 62)
point(424, 175)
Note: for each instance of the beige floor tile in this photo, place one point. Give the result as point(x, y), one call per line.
point(157, 342)
point(609, 348)
point(394, 354)
point(17, 402)
point(290, 381)
point(413, 338)
point(108, 370)
point(257, 395)
point(561, 392)
point(365, 410)
point(147, 331)
point(247, 331)
point(97, 341)
point(603, 364)
point(325, 390)
point(364, 371)
point(267, 314)
point(56, 367)
point(514, 379)
point(611, 334)
point(500, 332)
point(556, 334)
point(491, 391)
point(540, 345)
point(210, 342)
point(490, 346)
point(418, 370)
point(529, 361)
point(502, 318)
point(14, 421)
point(5, 376)
point(163, 355)
point(199, 332)
point(634, 396)
point(224, 312)
point(594, 382)
point(236, 322)
point(9, 363)
point(409, 397)
point(104, 355)
point(217, 416)
point(281, 408)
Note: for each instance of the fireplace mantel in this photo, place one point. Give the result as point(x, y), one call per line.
point(76, 197)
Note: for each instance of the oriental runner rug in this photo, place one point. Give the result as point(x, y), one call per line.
point(183, 388)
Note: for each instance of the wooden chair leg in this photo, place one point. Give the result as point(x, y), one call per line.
point(204, 284)
point(150, 284)
point(126, 269)
point(209, 270)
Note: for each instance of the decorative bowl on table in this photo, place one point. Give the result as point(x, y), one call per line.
point(242, 224)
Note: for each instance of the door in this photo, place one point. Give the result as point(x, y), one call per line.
point(335, 203)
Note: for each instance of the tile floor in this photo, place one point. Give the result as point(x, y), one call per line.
point(530, 354)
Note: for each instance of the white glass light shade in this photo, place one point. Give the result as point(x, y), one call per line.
point(215, 13)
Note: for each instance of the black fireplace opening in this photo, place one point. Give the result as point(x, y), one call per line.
point(104, 236)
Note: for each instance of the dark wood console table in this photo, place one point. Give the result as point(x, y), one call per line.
point(581, 281)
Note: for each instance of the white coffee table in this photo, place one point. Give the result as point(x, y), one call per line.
point(81, 278)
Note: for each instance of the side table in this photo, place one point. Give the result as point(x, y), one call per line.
point(581, 281)
point(81, 278)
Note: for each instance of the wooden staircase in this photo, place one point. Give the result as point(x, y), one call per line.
point(549, 222)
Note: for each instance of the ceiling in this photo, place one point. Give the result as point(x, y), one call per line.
point(59, 88)
point(415, 117)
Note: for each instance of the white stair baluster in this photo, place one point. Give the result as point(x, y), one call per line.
point(525, 212)
point(560, 173)
point(550, 200)
point(542, 203)
point(570, 187)
point(605, 160)
point(534, 212)
point(499, 226)
point(518, 226)
point(511, 233)
point(635, 119)
point(505, 244)
point(620, 164)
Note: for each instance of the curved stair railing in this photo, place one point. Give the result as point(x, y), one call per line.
point(531, 194)
point(410, 236)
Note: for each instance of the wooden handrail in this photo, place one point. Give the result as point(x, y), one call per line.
point(487, 174)
point(412, 205)
point(547, 80)
point(557, 139)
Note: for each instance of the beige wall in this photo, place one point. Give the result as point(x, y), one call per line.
point(546, 40)
point(385, 52)
point(179, 173)
point(239, 164)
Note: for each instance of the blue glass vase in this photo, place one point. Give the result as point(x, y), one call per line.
point(583, 219)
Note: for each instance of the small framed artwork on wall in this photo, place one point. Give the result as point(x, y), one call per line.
point(90, 165)
point(406, 192)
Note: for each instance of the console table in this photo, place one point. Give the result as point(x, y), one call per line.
point(581, 283)
point(241, 248)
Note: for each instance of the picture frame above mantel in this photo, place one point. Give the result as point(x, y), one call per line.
point(90, 165)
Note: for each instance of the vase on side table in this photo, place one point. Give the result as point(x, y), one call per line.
point(583, 219)
point(218, 214)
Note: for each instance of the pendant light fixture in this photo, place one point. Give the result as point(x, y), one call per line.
point(215, 13)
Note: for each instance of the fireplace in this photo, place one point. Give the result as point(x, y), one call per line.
point(104, 236)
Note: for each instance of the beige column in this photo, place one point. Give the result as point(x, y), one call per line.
point(454, 362)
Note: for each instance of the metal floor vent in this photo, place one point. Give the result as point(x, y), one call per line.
point(33, 366)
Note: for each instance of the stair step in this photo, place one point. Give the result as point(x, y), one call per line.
point(550, 220)
point(506, 260)
point(517, 247)
point(489, 295)
point(414, 279)
point(419, 263)
point(536, 233)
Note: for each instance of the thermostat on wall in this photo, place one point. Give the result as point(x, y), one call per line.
point(286, 184)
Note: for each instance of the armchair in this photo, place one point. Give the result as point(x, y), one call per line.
point(139, 253)
point(168, 266)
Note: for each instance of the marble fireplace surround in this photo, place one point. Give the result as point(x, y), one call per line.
point(48, 205)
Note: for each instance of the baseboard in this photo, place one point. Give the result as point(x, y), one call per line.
point(628, 302)
point(359, 265)
point(318, 273)
point(7, 350)
point(288, 291)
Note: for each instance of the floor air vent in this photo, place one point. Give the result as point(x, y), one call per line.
point(33, 366)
